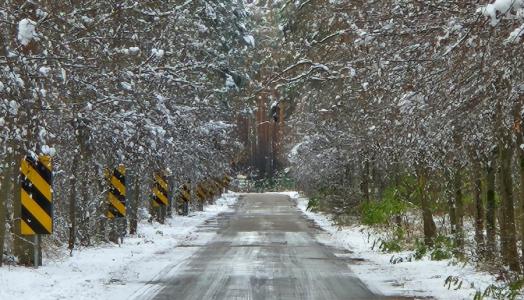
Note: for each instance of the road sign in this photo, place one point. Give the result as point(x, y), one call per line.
point(185, 193)
point(201, 192)
point(159, 191)
point(36, 195)
point(117, 193)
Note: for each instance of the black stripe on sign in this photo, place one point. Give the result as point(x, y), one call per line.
point(161, 189)
point(41, 169)
point(119, 176)
point(120, 198)
point(33, 222)
point(158, 201)
point(113, 190)
point(31, 190)
point(114, 211)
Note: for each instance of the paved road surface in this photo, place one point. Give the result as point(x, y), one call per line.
point(266, 249)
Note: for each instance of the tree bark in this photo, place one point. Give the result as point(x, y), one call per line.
point(72, 205)
point(459, 209)
point(491, 246)
point(4, 192)
point(430, 230)
point(519, 132)
point(479, 207)
point(365, 181)
point(510, 253)
point(133, 209)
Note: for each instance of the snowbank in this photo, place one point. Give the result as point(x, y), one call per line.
point(418, 278)
point(113, 272)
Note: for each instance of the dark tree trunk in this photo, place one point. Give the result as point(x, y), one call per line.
point(72, 206)
point(479, 207)
point(135, 203)
point(519, 132)
point(509, 238)
point(430, 230)
point(5, 183)
point(365, 181)
point(491, 218)
point(459, 209)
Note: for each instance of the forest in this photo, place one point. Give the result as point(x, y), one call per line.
point(408, 114)
point(151, 85)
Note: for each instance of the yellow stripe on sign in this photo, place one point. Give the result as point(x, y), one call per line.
point(45, 160)
point(117, 204)
point(154, 204)
point(110, 215)
point(40, 215)
point(25, 229)
point(118, 185)
point(161, 181)
point(36, 179)
point(160, 196)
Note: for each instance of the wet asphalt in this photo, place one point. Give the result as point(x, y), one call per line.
point(265, 249)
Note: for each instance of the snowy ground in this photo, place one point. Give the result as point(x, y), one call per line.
point(419, 278)
point(113, 272)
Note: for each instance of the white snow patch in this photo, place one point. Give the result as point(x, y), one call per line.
point(27, 31)
point(133, 50)
point(250, 40)
point(44, 70)
point(230, 82)
point(158, 53)
point(500, 8)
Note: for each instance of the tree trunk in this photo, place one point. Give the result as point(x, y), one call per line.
point(5, 179)
point(72, 206)
point(519, 132)
point(135, 203)
point(479, 207)
point(491, 248)
point(430, 230)
point(452, 212)
point(510, 253)
point(459, 209)
point(365, 181)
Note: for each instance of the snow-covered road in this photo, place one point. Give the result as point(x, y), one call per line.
point(266, 249)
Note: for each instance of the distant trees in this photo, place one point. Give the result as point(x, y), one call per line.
point(388, 94)
point(101, 83)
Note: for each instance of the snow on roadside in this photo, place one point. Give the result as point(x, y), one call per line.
point(419, 278)
point(113, 272)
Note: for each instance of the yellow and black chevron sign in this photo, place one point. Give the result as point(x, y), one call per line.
point(117, 193)
point(160, 188)
point(201, 192)
point(36, 195)
point(185, 193)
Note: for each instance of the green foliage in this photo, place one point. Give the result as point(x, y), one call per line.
point(389, 246)
point(510, 291)
point(453, 282)
point(393, 244)
point(442, 249)
point(392, 204)
point(313, 204)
